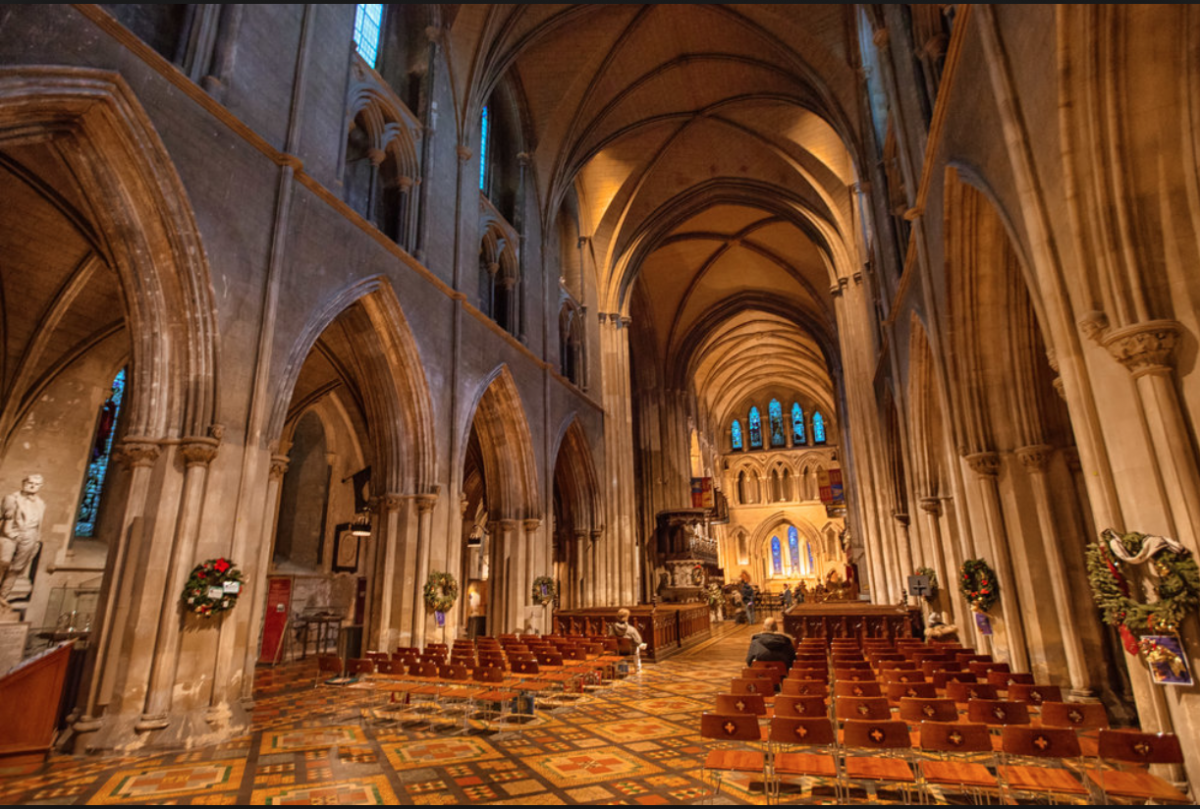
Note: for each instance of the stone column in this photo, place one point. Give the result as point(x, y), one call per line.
point(501, 575)
point(986, 465)
point(197, 453)
point(932, 508)
point(110, 621)
point(578, 568)
point(425, 506)
point(1147, 351)
point(904, 550)
point(594, 571)
point(1034, 458)
point(381, 631)
point(537, 556)
point(255, 593)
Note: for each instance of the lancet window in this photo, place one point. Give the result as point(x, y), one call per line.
point(775, 414)
point(735, 435)
point(755, 421)
point(368, 19)
point(797, 425)
point(818, 428)
point(102, 444)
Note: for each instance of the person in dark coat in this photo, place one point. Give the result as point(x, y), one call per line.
point(771, 644)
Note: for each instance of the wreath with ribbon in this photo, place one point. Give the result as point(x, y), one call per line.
point(212, 588)
point(544, 591)
point(1112, 563)
point(979, 585)
point(441, 591)
point(933, 582)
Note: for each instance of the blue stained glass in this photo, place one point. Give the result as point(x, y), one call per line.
point(735, 433)
point(797, 424)
point(776, 557)
point(818, 428)
point(93, 484)
point(808, 545)
point(794, 549)
point(755, 429)
point(775, 413)
point(483, 149)
point(368, 19)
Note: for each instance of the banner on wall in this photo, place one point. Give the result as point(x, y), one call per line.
point(702, 493)
point(830, 483)
point(275, 621)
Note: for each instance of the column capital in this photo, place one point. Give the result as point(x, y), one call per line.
point(1145, 348)
point(463, 502)
point(464, 154)
point(901, 518)
point(426, 502)
point(508, 525)
point(1071, 456)
point(930, 505)
point(135, 452)
point(984, 464)
point(597, 534)
point(531, 525)
point(387, 502)
point(279, 466)
point(1035, 457)
point(199, 451)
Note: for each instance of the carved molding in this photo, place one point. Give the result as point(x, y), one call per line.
point(931, 505)
point(532, 525)
point(1035, 457)
point(1059, 388)
point(387, 502)
point(507, 525)
point(426, 503)
point(1071, 456)
point(199, 451)
point(133, 453)
point(464, 154)
point(1145, 348)
point(902, 518)
point(1094, 324)
point(985, 464)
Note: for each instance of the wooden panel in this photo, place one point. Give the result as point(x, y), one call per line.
point(666, 629)
point(29, 700)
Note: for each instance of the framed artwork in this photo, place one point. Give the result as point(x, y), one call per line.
point(1168, 664)
point(345, 550)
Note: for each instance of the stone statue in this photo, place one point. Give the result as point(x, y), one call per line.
point(20, 532)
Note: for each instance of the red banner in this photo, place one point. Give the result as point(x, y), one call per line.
point(702, 493)
point(275, 622)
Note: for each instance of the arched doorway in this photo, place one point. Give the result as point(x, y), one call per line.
point(578, 519)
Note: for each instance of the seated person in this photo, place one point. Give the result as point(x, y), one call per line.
point(622, 628)
point(771, 644)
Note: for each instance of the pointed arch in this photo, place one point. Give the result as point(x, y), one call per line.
point(144, 229)
point(506, 443)
point(575, 472)
point(397, 402)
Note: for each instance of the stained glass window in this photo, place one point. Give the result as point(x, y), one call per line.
point(808, 546)
point(367, 22)
point(483, 149)
point(93, 484)
point(794, 549)
point(776, 557)
point(755, 429)
point(735, 433)
point(775, 414)
point(818, 428)
point(797, 425)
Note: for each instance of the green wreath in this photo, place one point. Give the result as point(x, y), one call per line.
point(441, 591)
point(1177, 589)
point(544, 591)
point(933, 582)
point(979, 585)
point(212, 588)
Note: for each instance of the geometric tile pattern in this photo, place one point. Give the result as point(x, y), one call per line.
point(141, 784)
point(360, 792)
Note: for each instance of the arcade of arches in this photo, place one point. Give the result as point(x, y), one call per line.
point(892, 286)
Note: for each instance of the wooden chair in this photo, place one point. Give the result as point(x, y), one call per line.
point(804, 688)
point(328, 667)
point(1085, 718)
point(805, 747)
point(494, 698)
point(807, 673)
point(929, 667)
point(963, 693)
point(734, 732)
point(1134, 783)
point(995, 712)
point(1034, 693)
point(808, 707)
point(861, 675)
point(741, 703)
point(898, 691)
point(916, 710)
point(854, 688)
point(982, 669)
point(889, 737)
point(1042, 743)
point(770, 675)
point(744, 685)
point(903, 676)
point(1003, 679)
point(862, 708)
point(941, 679)
point(958, 746)
point(356, 666)
point(771, 665)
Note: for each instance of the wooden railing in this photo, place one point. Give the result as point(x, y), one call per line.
point(842, 620)
point(665, 629)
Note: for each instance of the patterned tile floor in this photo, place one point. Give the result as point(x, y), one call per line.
point(637, 743)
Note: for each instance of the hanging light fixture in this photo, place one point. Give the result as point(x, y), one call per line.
point(361, 527)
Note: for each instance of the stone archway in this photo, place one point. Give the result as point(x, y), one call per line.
point(578, 518)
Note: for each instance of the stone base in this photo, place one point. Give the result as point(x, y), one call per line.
point(203, 727)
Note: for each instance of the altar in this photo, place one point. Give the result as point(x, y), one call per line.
point(846, 619)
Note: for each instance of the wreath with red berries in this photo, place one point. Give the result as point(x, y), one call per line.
point(978, 584)
point(212, 588)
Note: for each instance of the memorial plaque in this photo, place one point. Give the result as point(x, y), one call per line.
point(12, 644)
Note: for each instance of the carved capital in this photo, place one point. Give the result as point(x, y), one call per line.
point(930, 505)
point(1059, 388)
point(531, 525)
point(404, 184)
point(198, 451)
point(464, 154)
point(216, 431)
point(508, 525)
point(376, 156)
point(426, 503)
point(626, 320)
point(279, 466)
point(901, 518)
point(524, 158)
point(597, 534)
point(1035, 458)
point(880, 38)
point(984, 464)
point(133, 453)
point(387, 502)
point(463, 502)
point(1145, 348)
point(1093, 325)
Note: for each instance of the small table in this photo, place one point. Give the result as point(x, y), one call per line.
point(321, 629)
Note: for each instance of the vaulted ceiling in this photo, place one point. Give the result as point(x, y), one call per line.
point(713, 152)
